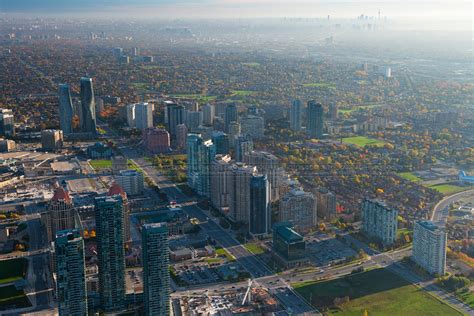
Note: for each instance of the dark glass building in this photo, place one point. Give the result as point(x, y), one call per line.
point(259, 223)
point(315, 119)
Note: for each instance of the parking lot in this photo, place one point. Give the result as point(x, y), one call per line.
point(323, 250)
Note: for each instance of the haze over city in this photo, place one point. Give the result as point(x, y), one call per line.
point(236, 157)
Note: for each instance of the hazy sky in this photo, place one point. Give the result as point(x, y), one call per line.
point(452, 10)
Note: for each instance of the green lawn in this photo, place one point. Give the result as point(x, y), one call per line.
point(410, 176)
point(10, 298)
point(243, 93)
point(363, 141)
point(101, 164)
point(13, 270)
point(224, 253)
point(197, 97)
point(254, 248)
point(213, 260)
point(326, 85)
point(468, 298)
point(448, 189)
point(378, 291)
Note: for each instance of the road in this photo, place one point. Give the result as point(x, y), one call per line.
point(441, 210)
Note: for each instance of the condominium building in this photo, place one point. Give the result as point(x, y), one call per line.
point(252, 125)
point(156, 275)
point(295, 115)
point(131, 181)
point(315, 119)
point(379, 221)
point(239, 186)
point(60, 213)
point(220, 173)
point(429, 247)
point(266, 164)
point(208, 113)
point(326, 203)
point(200, 155)
point(260, 211)
point(71, 289)
point(156, 140)
point(143, 115)
point(51, 139)
point(300, 209)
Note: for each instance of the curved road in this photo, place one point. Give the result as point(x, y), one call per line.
point(441, 210)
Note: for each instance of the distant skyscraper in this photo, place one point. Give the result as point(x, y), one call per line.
point(156, 140)
point(70, 273)
point(429, 247)
point(66, 109)
point(200, 155)
point(231, 115)
point(379, 221)
point(234, 132)
point(239, 187)
point(315, 120)
point(116, 189)
point(300, 209)
point(208, 112)
point(243, 147)
point(253, 126)
point(221, 140)
point(60, 213)
point(193, 120)
point(220, 172)
point(260, 212)
point(175, 116)
point(181, 135)
point(156, 275)
point(88, 122)
point(295, 115)
point(268, 165)
point(333, 111)
point(111, 252)
point(143, 115)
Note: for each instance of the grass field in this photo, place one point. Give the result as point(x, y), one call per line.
point(468, 298)
point(10, 298)
point(222, 252)
point(13, 270)
point(252, 65)
point(378, 291)
point(197, 97)
point(254, 248)
point(363, 141)
point(448, 189)
point(243, 93)
point(101, 164)
point(326, 85)
point(410, 176)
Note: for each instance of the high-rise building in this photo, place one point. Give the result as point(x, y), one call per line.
point(117, 52)
point(220, 172)
point(429, 247)
point(253, 126)
point(130, 113)
point(7, 145)
point(333, 111)
point(110, 251)
point(88, 120)
point(60, 213)
point(70, 273)
point(181, 135)
point(300, 209)
point(208, 113)
point(200, 155)
point(7, 123)
point(116, 189)
point(326, 203)
point(243, 147)
point(156, 275)
point(230, 115)
point(266, 164)
point(234, 133)
point(239, 187)
point(131, 181)
point(379, 221)
point(260, 211)
point(175, 116)
point(66, 109)
point(51, 139)
point(221, 141)
point(156, 140)
point(143, 115)
point(193, 120)
point(295, 115)
point(315, 120)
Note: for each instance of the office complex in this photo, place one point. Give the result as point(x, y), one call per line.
point(110, 251)
point(239, 187)
point(221, 140)
point(243, 147)
point(295, 115)
point(315, 119)
point(208, 113)
point(175, 116)
point(87, 113)
point(60, 213)
point(379, 221)
point(220, 172)
point(66, 109)
point(230, 115)
point(143, 115)
point(266, 164)
point(326, 203)
point(253, 126)
point(70, 273)
point(156, 275)
point(156, 140)
point(288, 245)
point(429, 247)
point(300, 209)
point(131, 181)
point(260, 211)
point(51, 139)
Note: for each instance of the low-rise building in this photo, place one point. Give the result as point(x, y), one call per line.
point(289, 247)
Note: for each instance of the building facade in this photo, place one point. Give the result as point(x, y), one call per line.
point(220, 172)
point(326, 203)
point(300, 209)
point(156, 275)
point(200, 155)
point(379, 221)
point(143, 115)
point(156, 140)
point(51, 139)
point(208, 113)
point(295, 115)
point(429, 247)
point(66, 109)
point(253, 126)
point(260, 210)
point(239, 187)
point(131, 181)
point(268, 165)
point(175, 116)
point(87, 113)
point(60, 213)
point(230, 115)
point(315, 120)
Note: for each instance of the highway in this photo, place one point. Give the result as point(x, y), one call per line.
point(441, 210)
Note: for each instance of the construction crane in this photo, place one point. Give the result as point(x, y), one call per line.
point(248, 293)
